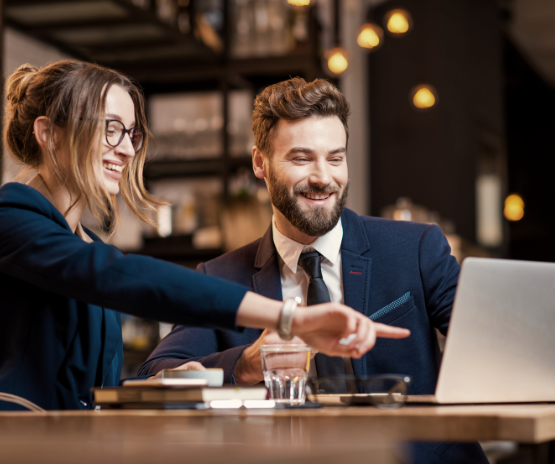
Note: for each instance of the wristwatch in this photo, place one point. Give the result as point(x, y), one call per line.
point(286, 318)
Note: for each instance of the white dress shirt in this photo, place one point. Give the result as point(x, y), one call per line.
point(294, 280)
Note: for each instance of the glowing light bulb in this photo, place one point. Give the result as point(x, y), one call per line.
point(423, 96)
point(514, 207)
point(398, 22)
point(299, 2)
point(337, 60)
point(370, 36)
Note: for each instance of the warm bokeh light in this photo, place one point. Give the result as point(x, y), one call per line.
point(424, 96)
point(398, 21)
point(299, 2)
point(514, 207)
point(370, 36)
point(337, 60)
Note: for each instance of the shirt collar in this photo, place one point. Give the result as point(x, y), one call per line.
point(39, 185)
point(328, 245)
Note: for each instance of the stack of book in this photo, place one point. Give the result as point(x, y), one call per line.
point(180, 394)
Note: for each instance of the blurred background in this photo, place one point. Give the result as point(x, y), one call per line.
point(452, 113)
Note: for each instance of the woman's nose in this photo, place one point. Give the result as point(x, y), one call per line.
point(126, 147)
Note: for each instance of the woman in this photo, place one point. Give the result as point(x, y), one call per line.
point(83, 128)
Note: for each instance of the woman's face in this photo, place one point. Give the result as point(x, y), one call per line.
point(120, 107)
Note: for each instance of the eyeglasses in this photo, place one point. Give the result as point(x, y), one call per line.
point(115, 132)
point(382, 391)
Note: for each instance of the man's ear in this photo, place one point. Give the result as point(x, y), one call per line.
point(259, 163)
point(41, 129)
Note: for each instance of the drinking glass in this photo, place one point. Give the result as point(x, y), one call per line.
point(285, 370)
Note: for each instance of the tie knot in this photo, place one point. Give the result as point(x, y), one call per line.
point(310, 262)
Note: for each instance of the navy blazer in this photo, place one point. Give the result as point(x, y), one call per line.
point(398, 273)
point(57, 337)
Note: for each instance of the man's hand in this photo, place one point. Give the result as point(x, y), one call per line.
point(248, 370)
point(323, 326)
point(189, 366)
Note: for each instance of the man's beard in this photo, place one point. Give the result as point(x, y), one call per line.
point(314, 222)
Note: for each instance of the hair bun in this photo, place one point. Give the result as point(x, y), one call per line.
point(18, 82)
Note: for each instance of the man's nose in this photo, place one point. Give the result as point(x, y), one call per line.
point(320, 174)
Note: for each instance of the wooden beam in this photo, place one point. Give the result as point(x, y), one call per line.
point(60, 26)
point(190, 71)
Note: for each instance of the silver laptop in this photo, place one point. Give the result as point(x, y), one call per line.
point(501, 342)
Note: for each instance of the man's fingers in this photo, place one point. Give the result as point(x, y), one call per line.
point(388, 331)
point(191, 366)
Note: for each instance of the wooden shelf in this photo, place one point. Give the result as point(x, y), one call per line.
point(177, 249)
point(118, 32)
point(207, 167)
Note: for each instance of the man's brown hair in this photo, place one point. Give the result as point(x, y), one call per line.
point(293, 100)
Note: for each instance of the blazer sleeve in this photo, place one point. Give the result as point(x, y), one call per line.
point(37, 248)
point(184, 344)
point(439, 271)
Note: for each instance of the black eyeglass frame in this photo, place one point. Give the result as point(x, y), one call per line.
point(133, 132)
point(355, 397)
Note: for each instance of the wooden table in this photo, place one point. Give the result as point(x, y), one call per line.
point(329, 435)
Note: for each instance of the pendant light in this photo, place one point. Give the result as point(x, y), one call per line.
point(398, 22)
point(370, 36)
point(337, 57)
point(423, 96)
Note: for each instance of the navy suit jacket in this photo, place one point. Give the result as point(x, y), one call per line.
point(397, 273)
point(57, 337)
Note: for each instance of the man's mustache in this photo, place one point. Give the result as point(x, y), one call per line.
point(317, 190)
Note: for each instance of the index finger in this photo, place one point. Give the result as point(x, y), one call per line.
point(388, 331)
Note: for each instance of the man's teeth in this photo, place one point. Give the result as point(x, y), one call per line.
point(113, 167)
point(316, 196)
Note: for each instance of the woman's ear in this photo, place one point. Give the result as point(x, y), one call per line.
point(41, 129)
point(258, 163)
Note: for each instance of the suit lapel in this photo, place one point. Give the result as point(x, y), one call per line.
point(267, 281)
point(356, 271)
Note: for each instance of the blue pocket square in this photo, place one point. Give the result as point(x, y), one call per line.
point(391, 306)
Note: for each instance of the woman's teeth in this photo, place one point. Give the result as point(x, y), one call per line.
point(113, 167)
point(316, 196)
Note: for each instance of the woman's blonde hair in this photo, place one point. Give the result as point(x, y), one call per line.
point(72, 95)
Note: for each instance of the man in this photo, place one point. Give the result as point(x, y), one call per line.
point(397, 273)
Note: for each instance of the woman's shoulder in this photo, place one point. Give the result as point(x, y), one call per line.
point(17, 198)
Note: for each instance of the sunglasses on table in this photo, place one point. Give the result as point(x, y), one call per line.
point(382, 391)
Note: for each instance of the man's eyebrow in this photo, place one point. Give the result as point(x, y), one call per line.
point(309, 151)
point(300, 150)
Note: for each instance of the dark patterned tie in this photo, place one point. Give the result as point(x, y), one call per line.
point(310, 262)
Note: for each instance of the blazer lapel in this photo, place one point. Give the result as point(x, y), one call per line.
point(267, 281)
point(356, 270)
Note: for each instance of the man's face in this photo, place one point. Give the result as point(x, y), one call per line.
point(307, 174)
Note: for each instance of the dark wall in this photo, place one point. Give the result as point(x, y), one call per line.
point(531, 157)
point(433, 156)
